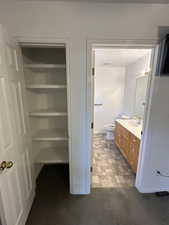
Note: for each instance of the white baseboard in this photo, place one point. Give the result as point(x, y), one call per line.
point(151, 190)
point(27, 209)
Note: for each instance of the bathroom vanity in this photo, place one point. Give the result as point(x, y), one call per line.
point(127, 139)
point(128, 131)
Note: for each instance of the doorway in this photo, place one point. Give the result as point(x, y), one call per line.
point(120, 89)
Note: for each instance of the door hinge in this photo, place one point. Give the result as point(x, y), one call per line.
point(92, 125)
point(91, 169)
point(93, 71)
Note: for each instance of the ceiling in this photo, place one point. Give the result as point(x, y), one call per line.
point(112, 1)
point(118, 57)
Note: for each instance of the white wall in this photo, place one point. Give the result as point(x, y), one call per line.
point(109, 90)
point(134, 70)
point(80, 22)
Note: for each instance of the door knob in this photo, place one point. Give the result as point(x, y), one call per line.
point(5, 165)
point(9, 164)
point(2, 165)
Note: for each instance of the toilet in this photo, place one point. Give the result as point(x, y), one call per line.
point(109, 130)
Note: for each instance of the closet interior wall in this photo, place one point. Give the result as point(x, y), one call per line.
point(46, 84)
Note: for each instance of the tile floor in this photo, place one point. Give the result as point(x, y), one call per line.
point(110, 169)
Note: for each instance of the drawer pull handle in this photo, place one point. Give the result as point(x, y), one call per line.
point(5, 165)
point(2, 165)
point(9, 164)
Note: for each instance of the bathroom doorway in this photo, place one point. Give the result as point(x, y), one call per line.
point(120, 83)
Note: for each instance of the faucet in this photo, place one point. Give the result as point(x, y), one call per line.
point(138, 118)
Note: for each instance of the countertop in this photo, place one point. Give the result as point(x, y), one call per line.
point(132, 126)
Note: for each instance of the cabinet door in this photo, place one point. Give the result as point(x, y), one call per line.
point(16, 186)
point(134, 152)
point(122, 139)
point(117, 134)
point(125, 142)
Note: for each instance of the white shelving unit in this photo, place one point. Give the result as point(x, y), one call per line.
point(52, 156)
point(50, 135)
point(45, 76)
point(44, 66)
point(45, 86)
point(47, 112)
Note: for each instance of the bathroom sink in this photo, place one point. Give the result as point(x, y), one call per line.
point(132, 125)
point(135, 122)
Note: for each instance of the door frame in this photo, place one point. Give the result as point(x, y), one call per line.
point(55, 41)
point(116, 44)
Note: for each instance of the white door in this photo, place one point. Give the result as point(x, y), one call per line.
point(154, 152)
point(16, 186)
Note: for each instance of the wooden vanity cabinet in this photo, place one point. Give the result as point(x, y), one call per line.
point(118, 135)
point(122, 136)
point(128, 145)
point(133, 152)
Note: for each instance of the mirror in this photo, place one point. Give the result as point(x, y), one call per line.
point(140, 95)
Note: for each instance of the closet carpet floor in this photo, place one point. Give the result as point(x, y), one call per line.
point(110, 169)
point(54, 205)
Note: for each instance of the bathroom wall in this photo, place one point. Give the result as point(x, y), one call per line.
point(134, 70)
point(109, 91)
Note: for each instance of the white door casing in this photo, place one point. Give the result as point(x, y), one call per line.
point(16, 184)
point(153, 152)
point(92, 104)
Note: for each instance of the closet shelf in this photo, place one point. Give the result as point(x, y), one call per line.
point(45, 86)
point(51, 135)
point(47, 112)
point(44, 66)
point(52, 156)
